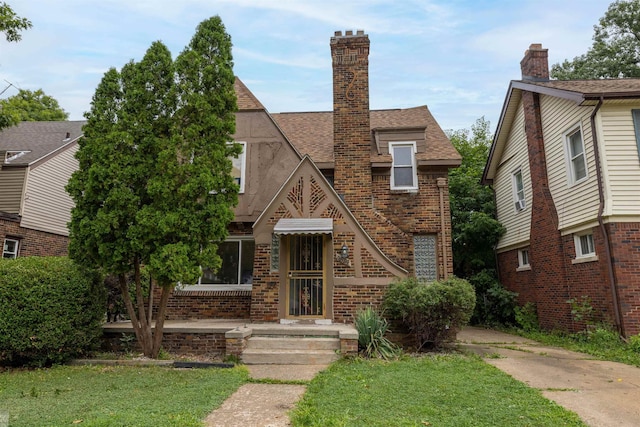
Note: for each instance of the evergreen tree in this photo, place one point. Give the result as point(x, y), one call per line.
point(154, 187)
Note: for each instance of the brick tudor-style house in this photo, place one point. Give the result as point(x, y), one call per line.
point(333, 206)
point(565, 168)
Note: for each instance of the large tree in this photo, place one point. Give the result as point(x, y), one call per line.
point(11, 24)
point(30, 106)
point(616, 47)
point(474, 228)
point(154, 187)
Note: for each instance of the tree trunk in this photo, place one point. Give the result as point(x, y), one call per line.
point(149, 337)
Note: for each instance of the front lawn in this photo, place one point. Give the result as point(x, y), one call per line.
point(438, 390)
point(115, 396)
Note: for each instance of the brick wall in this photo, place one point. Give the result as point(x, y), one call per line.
point(349, 298)
point(32, 242)
point(413, 213)
point(184, 305)
point(264, 294)
point(625, 250)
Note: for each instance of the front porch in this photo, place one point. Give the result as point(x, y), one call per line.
point(253, 343)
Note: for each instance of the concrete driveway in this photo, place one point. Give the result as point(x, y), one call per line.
point(603, 394)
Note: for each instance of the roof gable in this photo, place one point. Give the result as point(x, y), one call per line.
point(39, 139)
point(246, 99)
point(582, 92)
point(307, 170)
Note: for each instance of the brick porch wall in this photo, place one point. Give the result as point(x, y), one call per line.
point(184, 305)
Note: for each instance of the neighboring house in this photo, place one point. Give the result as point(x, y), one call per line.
point(36, 161)
point(565, 168)
point(333, 206)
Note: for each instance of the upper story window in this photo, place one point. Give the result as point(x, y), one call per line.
point(577, 160)
point(239, 167)
point(404, 175)
point(518, 190)
point(10, 249)
point(635, 114)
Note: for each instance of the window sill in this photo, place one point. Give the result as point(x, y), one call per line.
point(524, 268)
point(404, 191)
point(198, 290)
point(580, 260)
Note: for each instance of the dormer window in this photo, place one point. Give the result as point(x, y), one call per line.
point(404, 174)
point(12, 155)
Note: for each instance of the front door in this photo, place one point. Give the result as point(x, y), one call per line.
point(305, 293)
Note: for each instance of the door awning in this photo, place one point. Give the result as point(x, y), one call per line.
point(304, 226)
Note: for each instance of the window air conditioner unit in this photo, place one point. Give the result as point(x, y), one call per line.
point(520, 205)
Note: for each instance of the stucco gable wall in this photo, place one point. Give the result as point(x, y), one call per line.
point(270, 159)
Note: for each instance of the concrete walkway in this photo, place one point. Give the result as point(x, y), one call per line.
point(264, 405)
point(603, 394)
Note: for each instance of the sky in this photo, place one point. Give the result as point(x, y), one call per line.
point(455, 56)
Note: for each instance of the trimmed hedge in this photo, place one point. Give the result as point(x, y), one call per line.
point(50, 311)
point(431, 311)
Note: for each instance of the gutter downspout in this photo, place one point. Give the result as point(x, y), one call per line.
point(442, 183)
point(603, 230)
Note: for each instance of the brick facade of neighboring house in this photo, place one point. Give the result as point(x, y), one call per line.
point(32, 242)
point(333, 206)
point(566, 153)
point(36, 161)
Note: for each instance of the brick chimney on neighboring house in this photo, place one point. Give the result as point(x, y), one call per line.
point(549, 281)
point(351, 122)
point(535, 64)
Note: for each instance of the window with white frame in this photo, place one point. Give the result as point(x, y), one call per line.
point(518, 190)
point(404, 175)
point(237, 264)
point(584, 245)
point(239, 166)
point(523, 258)
point(10, 249)
point(577, 160)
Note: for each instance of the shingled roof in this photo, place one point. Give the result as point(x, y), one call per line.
point(312, 133)
point(246, 99)
point(583, 90)
point(39, 139)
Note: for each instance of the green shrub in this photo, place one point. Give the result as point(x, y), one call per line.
point(50, 310)
point(527, 317)
point(432, 311)
point(634, 343)
point(495, 305)
point(371, 329)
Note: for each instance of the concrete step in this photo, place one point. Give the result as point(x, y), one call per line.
point(293, 343)
point(288, 357)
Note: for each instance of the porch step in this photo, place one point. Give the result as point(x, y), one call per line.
point(290, 350)
point(293, 343)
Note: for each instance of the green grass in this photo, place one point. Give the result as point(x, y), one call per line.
point(115, 396)
point(601, 343)
point(439, 390)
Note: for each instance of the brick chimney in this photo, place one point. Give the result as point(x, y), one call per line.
point(535, 64)
point(351, 122)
